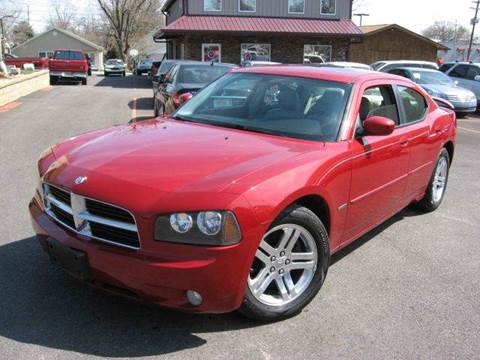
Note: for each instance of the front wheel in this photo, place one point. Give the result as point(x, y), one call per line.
point(438, 184)
point(289, 267)
point(84, 81)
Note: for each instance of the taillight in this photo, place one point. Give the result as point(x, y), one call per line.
point(180, 99)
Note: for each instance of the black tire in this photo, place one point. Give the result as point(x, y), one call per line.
point(53, 80)
point(428, 202)
point(84, 81)
point(105, 74)
point(155, 108)
point(256, 310)
point(461, 115)
point(123, 74)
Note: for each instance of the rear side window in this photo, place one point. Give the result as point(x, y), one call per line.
point(399, 72)
point(414, 104)
point(460, 71)
point(165, 67)
point(75, 55)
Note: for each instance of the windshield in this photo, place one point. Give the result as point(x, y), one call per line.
point(377, 65)
point(201, 74)
point(114, 62)
point(278, 105)
point(431, 78)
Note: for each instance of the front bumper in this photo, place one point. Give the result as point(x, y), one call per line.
point(465, 106)
point(219, 274)
point(115, 71)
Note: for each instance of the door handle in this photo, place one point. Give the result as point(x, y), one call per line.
point(404, 143)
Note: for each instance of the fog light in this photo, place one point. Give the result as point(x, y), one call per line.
point(194, 298)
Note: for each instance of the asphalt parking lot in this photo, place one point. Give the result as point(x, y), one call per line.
point(410, 289)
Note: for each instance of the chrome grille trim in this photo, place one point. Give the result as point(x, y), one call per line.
point(82, 218)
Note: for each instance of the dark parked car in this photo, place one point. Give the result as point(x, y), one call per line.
point(183, 81)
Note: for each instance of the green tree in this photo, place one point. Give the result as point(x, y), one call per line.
point(446, 31)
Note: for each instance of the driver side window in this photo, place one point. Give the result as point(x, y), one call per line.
point(377, 101)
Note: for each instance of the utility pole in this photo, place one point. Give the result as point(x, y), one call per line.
point(361, 15)
point(474, 24)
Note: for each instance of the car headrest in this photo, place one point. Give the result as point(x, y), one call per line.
point(365, 108)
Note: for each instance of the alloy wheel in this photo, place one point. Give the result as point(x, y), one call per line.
point(284, 265)
point(440, 179)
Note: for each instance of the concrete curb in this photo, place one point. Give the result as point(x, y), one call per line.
point(13, 89)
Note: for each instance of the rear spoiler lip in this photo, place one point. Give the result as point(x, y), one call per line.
point(443, 103)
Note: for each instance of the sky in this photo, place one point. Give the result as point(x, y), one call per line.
point(413, 14)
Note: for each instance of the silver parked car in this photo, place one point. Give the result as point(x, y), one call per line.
point(466, 75)
point(438, 84)
point(115, 66)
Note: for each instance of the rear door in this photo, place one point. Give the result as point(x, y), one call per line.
point(414, 113)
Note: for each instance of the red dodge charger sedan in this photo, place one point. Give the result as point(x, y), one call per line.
point(239, 199)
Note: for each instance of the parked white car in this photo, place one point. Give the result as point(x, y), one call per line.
point(387, 65)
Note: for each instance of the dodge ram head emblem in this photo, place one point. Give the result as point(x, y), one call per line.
point(80, 180)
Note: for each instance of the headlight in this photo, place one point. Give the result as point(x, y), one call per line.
point(181, 223)
point(210, 228)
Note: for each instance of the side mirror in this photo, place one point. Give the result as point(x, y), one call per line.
point(443, 103)
point(378, 125)
point(477, 78)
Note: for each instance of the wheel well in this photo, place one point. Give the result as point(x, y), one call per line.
point(450, 148)
point(318, 206)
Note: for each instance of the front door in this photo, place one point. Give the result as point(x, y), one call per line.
point(379, 165)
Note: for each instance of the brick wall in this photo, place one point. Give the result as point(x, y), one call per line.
point(284, 49)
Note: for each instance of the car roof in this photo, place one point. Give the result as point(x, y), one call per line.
point(417, 69)
point(338, 74)
point(206, 64)
point(406, 62)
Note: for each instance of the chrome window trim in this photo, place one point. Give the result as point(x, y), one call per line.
point(82, 217)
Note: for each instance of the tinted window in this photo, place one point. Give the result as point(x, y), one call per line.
point(278, 105)
point(473, 71)
point(170, 75)
point(75, 55)
point(414, 104)
point(460, 71)
point(200, 74)
point(62, 55)
point(425, 77)
point(379, 101)
point(399, 72)
point(446, 67)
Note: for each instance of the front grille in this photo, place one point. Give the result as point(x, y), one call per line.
point(92, 218)
point(109, 211)
point(63, 216)
point(60, 194)
point(126, 237)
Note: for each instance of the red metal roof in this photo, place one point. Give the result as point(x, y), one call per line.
point(232, 24)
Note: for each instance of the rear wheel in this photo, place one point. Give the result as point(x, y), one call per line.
point(155, 108)
point(438, 184)
point(289, 267)
point(105, 73)
point(53, 80)
point(84, 81)
point(123, 74)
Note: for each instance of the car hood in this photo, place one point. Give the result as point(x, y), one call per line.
point(170, 156)
point(448, 90)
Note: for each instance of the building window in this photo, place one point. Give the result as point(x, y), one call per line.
point(212, 53)
point(317, 54)
point(212, 5)
point(296, 6)
point(255, 52)
point(45, 54)
point(328, 7)
point(247, 5)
